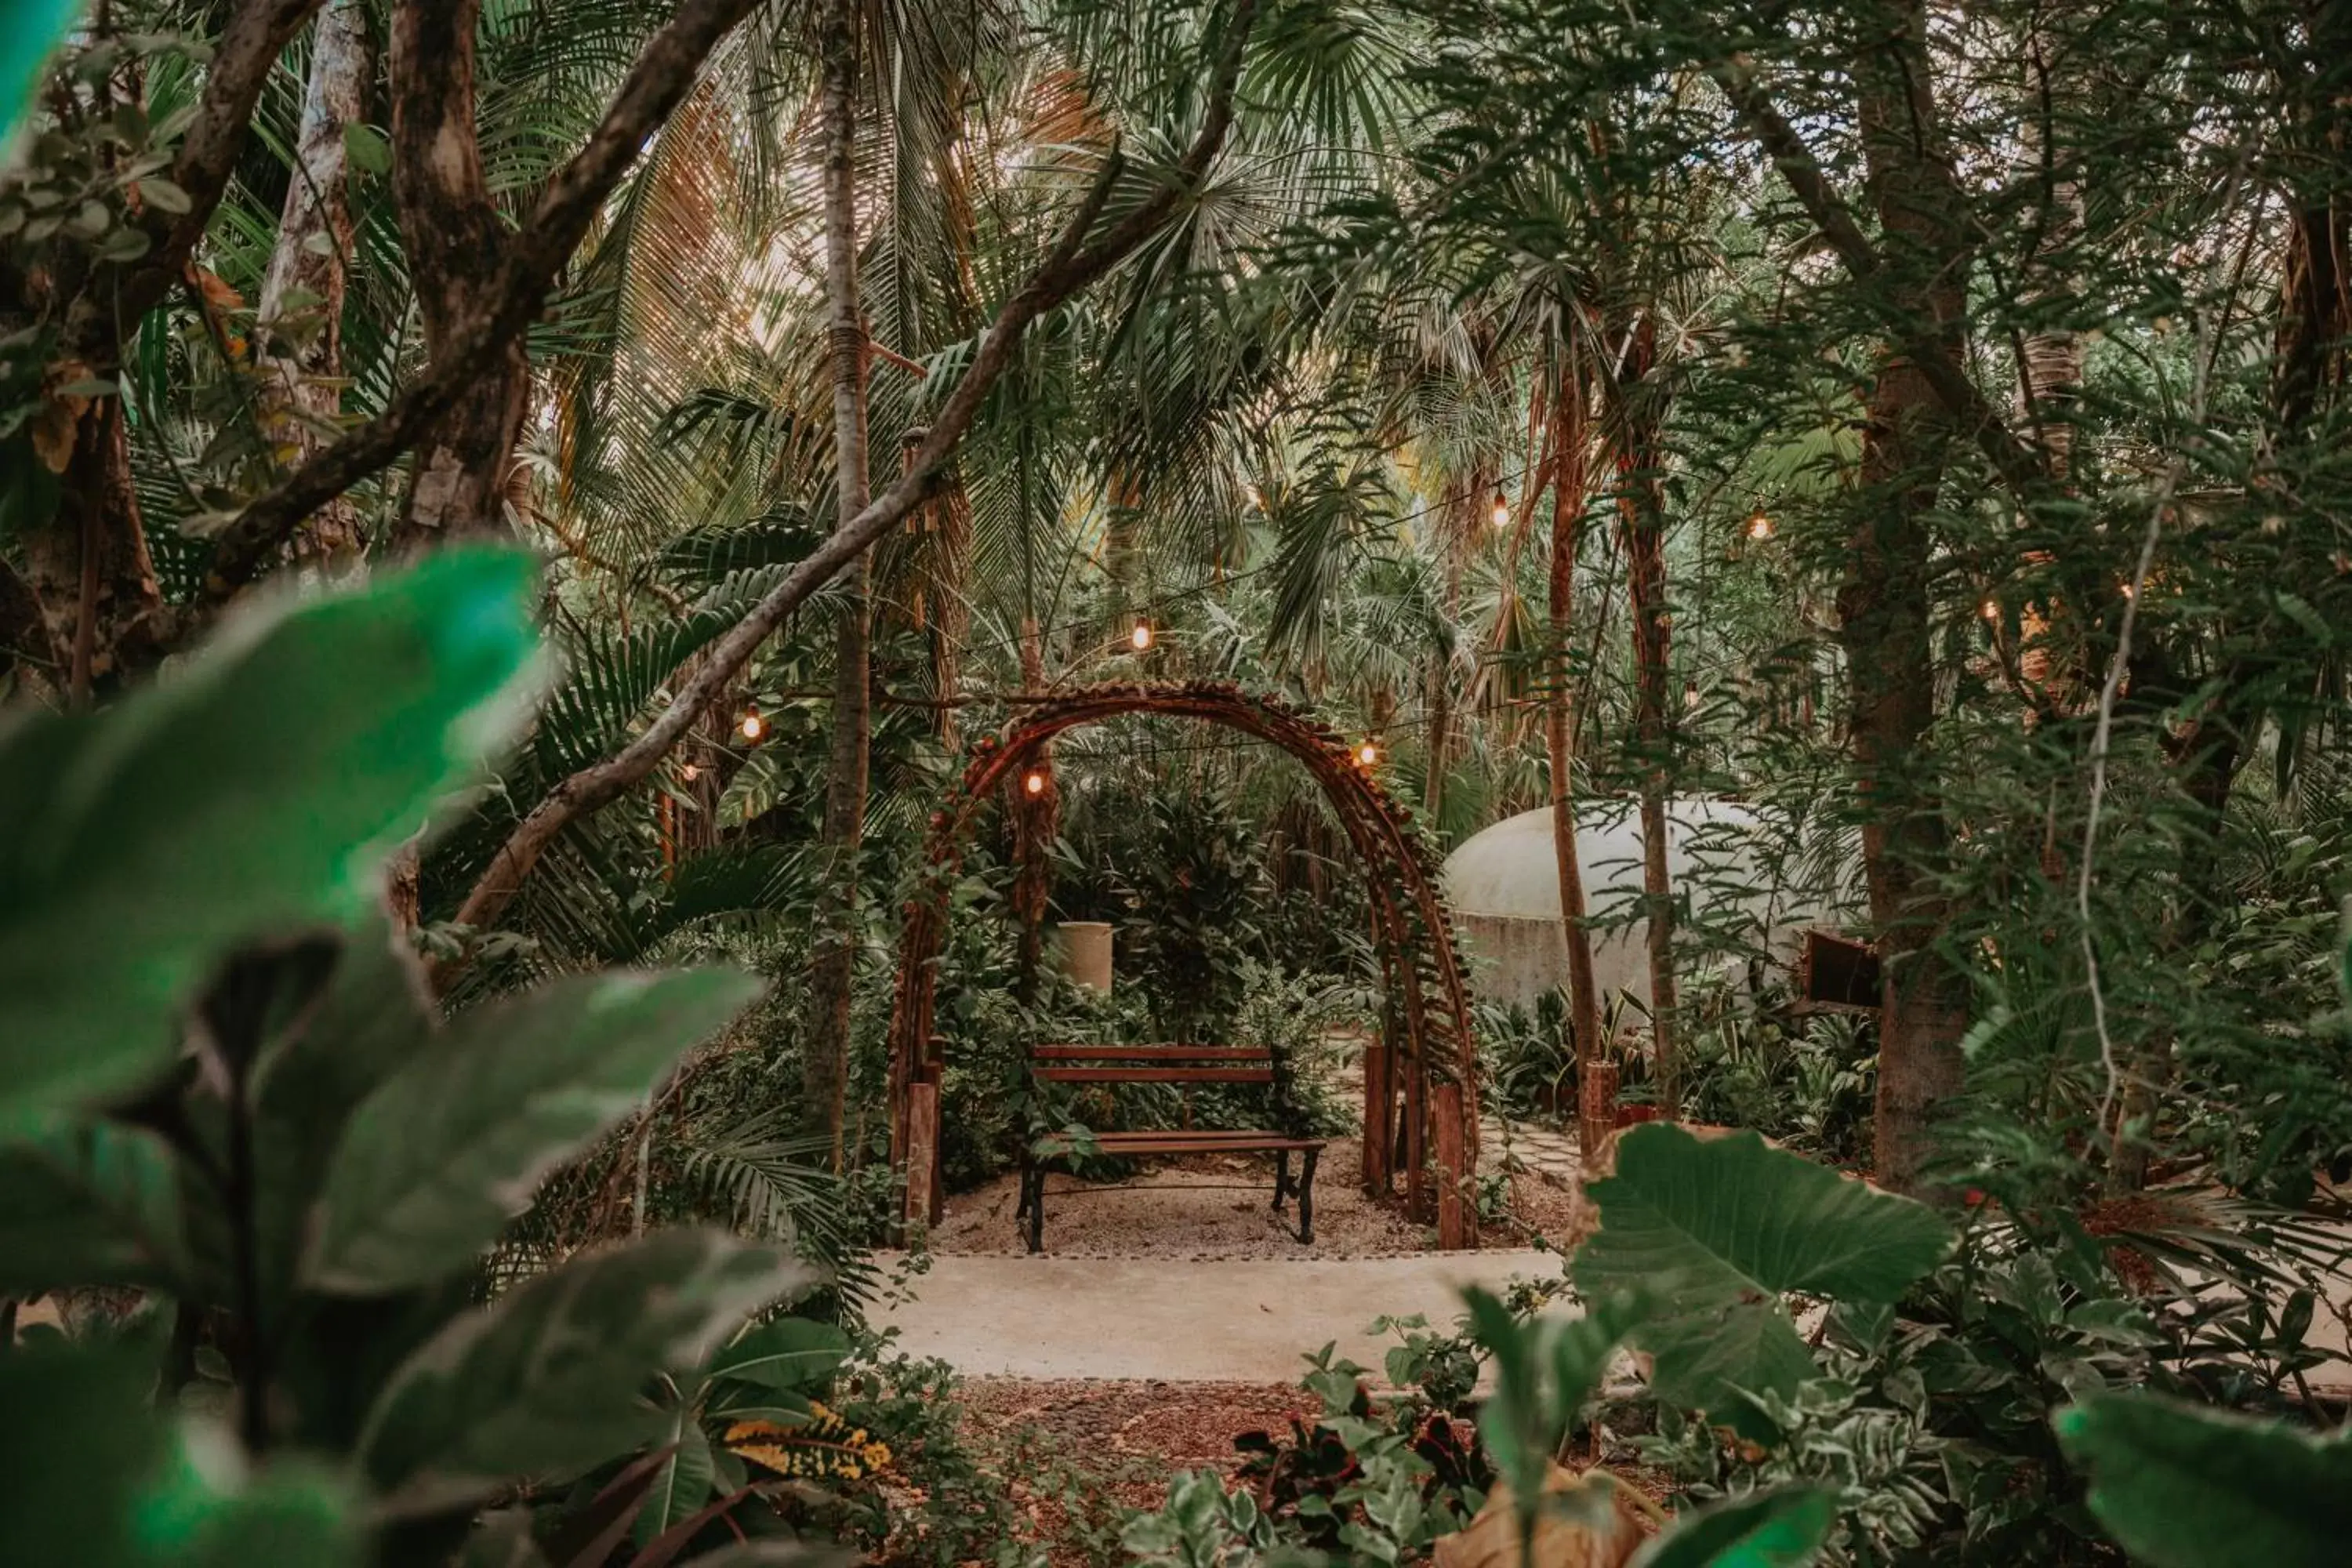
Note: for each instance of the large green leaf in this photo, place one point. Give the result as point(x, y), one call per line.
point(93, 1204)
point(254, 793)
point(793, 1354)
point(546, 1383)
point(2181, 1486)
point(207, 1512)
point(683, 1484)
point(29, 31)
point(77, 1448)
point(1704, 1360)
point(1783, 1529)
point(440, 1157)
point(95, 1475)
point(1715, 1230)
point(375, 1016)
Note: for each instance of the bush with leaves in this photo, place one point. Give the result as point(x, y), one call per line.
point(225, 1088)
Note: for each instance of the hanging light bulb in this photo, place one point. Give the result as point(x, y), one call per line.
point(1760, 526)
point(751, 726)
point(1367, 753)
point(1501, 509)
point(1141, 636)
point(1034, 782)
point(1989, 610)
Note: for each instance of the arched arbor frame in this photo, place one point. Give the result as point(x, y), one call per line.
point(1421, 1091)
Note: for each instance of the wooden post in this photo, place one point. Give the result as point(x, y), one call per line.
point(1596, 1107)
point(923, 1153)
point(1379, 1123)
point(1457, 1220)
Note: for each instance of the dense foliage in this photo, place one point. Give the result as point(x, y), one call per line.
point(443, 999)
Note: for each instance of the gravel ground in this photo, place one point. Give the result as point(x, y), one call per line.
point(1074, 1454)
point(1208, 1207)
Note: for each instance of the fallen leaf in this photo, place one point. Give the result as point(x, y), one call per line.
point(1492, 1540)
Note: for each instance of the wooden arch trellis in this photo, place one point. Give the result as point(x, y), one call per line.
point(1420, 1100)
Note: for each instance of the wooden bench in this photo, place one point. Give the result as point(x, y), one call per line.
point(1178, 1064)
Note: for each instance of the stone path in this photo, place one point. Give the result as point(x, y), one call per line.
point(1167, 1318)
point(1550, 1156)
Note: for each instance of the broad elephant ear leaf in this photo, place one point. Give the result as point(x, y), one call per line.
point(2182, 1487)
point(448, 1149)
point(547, 1381)
point(1715, 1231)
point(256, 792)
point(1782, 1529)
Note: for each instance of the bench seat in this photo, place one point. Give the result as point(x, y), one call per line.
point(1178, 1064)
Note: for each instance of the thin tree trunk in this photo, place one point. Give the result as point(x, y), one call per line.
point(89, 569)
point(455, 244)
point(1035, 820)
point(834, 970)
point(1440, 734)
point(2052, 370)
point(300, 354)
point(1641, 510)
point(1883, 604)
point(1568, 482)
point(1462, 517)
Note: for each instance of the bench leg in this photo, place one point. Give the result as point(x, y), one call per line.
point(1037, 1209)
point(1281, 1177)
point(1306, 1196)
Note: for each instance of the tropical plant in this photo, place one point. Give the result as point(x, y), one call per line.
point(228, 1090)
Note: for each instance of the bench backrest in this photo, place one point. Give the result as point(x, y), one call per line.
point(1151, 1064)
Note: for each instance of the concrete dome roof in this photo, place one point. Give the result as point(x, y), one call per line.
point(1508, 870)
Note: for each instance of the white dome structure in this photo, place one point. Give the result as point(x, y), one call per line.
point(1503, 887)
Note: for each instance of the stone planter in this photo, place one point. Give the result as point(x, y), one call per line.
point(1084, 950)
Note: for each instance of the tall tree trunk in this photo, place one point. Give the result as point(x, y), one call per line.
point(300, 354)
point(1642, 519)
point(1883, 602)
point(1568, 485)
point(455, 241)
point(834, 970)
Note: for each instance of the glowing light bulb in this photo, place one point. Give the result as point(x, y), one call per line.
point(2128, 591)
point(691, 772)
point(1034, 782)
point(1501, 509)
point(1141, 636)
point(751, 726)
point(1368, 753)
point(1989, 610)
point(1759, 525)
